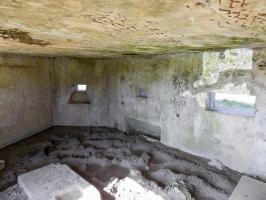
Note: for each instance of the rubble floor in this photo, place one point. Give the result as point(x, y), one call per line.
point(103, 156)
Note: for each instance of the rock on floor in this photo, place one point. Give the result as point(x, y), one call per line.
point(102, 155)
point(13, 193)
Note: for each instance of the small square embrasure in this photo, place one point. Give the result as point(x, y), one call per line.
point(142, 93)
point(80, 87)
point(79, 95)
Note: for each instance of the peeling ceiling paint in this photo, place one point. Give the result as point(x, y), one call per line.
point(96, 28)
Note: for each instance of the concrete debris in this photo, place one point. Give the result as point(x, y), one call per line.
point(249, 189)
point(110, 160)
point(13, 193)
point(56, 181)
point(216, 163)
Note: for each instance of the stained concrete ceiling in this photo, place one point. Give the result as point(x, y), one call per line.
point(116, 27)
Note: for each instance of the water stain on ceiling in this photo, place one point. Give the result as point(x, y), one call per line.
point(21, 36)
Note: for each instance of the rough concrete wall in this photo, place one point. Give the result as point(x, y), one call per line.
point(176, 86)
point(92, 72)
point(176, 105)
point(155, 74)
point(25, 97)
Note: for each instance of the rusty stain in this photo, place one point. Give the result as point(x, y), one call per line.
point(262, 14)
point(220, 25)
point(225, 10)
point(244, 3)
point(21, 36)
point(199, 4)
point(262, 65)
point(238, 10)
point(119, 23)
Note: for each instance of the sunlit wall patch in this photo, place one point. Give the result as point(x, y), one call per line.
point(241, 105)
point(216, 62)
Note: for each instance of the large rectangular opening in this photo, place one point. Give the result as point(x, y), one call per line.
point(241, 105)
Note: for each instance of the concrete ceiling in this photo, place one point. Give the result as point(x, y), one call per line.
point(96, 28)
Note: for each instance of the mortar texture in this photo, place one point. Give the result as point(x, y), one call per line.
point(25, 97)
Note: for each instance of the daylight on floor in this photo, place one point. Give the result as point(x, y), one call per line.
point(133, 100)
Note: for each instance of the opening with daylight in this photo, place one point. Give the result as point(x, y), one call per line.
point(243, 105)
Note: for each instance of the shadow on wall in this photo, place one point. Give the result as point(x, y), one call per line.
point(139, 126)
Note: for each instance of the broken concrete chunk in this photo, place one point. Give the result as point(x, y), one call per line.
point(56, 181)
point(216, 163)
point(249, 189)
point(2, 164)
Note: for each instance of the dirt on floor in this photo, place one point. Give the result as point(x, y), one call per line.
point(109, 159)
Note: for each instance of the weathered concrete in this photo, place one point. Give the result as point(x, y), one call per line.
point(174, 107)
point(178, 87)
point(108, 28)
point(249, 189)
point(56, 182)
point(25, 97)
point(71, 71)
point(100, 155)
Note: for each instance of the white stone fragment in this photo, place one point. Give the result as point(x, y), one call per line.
point(216, 163)
point(129, 189)
point(57, 182)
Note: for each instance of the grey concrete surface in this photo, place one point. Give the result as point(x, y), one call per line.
point(249, 189)
point(100, 155)
point(71, 71)
point(25, 97)
point(177, 88)
point(56, 181)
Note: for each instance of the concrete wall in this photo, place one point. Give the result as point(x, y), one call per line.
point(34, 94)
point(155, 74)
point(92, 72)
point(178, 88)
point(25, 97)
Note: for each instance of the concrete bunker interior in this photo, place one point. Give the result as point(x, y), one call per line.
point(144, 100)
